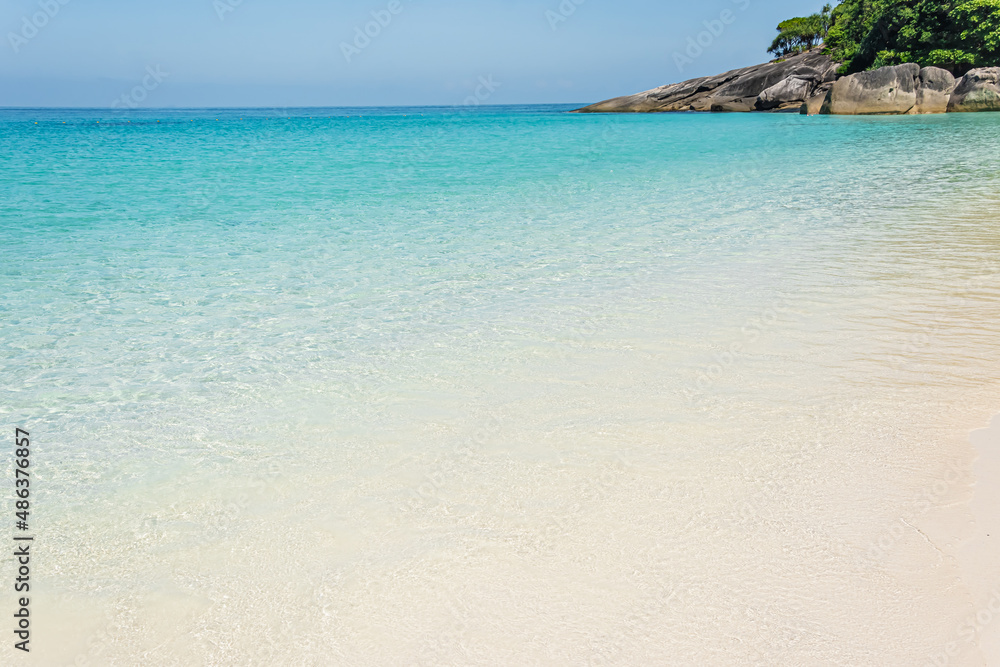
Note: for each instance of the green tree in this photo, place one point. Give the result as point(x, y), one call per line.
point(799, 34)
point(826, 19)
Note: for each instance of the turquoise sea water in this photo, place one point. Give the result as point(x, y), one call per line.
point(497, 384)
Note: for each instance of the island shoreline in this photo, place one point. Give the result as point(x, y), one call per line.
point(809, 83)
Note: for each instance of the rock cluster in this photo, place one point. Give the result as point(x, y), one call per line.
point(808, 83)
point(907, 89)
point(775, 86)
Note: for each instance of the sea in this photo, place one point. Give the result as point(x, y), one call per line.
point(497, 386)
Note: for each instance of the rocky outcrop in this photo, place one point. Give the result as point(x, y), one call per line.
point(900, 89)
point(979, 90)
point(808, 82)
point(934, 88)
point(769, 87)
point(889, 90)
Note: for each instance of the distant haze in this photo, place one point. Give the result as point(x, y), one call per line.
point(96, 53)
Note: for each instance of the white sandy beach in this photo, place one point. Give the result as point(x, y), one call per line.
point(653, 407)
point(980, 557)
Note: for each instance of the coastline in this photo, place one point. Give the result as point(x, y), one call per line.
point(809, 83)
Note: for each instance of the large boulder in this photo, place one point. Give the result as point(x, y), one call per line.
point(786, 93)
point(934, 88)
point(741, 104)
point(813, 105)
point(979, 90)
point(731, 90)
point(888, 90)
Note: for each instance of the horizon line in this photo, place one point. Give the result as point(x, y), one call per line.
point(355, 106)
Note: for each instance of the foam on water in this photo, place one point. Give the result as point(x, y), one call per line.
point(514, 386)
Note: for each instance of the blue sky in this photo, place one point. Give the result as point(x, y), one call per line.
point(170, 53)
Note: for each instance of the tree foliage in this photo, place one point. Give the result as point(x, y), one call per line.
point(801, 33)
point(979, 21)
point(954, 34)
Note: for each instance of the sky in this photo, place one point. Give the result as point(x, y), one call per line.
point(278, 53)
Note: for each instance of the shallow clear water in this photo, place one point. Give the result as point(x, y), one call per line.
point(504, 386)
